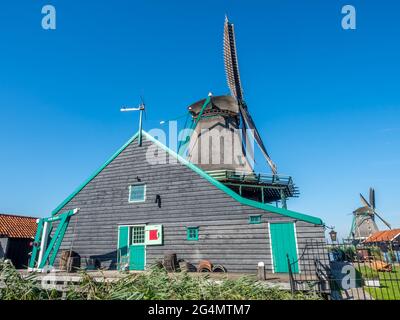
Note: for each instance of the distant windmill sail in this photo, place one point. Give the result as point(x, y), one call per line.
point(233, 79)
point(372, 197)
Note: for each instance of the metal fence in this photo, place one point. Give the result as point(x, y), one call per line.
point(348, 271)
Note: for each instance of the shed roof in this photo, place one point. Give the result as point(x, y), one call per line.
point(384, 236)
point(14, 226)
point(218, 184)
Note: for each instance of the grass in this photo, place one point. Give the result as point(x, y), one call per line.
point(389, 283)
point(156, 284)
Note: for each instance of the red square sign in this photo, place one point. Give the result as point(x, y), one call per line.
point(153, 234)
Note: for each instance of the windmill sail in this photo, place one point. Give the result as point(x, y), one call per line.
point(233, 79)
point(231, 61)
point(251, 125)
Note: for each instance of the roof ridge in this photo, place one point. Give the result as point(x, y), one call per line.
point(17, 215)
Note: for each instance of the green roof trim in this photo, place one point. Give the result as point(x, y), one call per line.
point(219, 185)
point(94, 175)
point(233, 194)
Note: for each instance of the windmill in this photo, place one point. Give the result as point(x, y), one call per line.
point(226, 121)
point(226, 114)
point(364, 224)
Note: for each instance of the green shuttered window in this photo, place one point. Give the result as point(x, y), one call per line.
point(192, 233)
point(137, 193)
point(255, 219)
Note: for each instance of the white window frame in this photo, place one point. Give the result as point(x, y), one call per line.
point(297, 246)
point(137, 185)
point(270, 247)
point(131, 235)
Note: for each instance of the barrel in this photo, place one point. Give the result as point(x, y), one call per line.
point(70, 261)
point(170, 262)
point(205, 266)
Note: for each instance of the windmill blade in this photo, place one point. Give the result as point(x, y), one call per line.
point(231, 61)
point(383, 220)
point(372, 197)
point(232, 73)
point(235, 86)
point(364, 201)
point(251, 125)
point(247, 147)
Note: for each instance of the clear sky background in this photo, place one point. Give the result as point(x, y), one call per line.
point(326, 100)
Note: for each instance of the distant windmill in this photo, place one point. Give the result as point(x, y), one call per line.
point(364, 223)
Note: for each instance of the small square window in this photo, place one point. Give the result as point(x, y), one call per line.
point(137, 193)
point(137, 235)
point(192, 233)
point(255, 219)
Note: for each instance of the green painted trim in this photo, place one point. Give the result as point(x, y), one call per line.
point(234, 195)
point(77, 190)
point(52, 242)
point(220, 185)
point(35, 249)
point(188, 237)
point(57, 239)
point(194, 124)
point(255, 219)
point(58, 242)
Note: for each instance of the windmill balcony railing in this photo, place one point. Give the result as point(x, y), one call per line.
point(251, 177)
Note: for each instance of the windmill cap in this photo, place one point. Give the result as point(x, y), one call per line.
point(227, 103)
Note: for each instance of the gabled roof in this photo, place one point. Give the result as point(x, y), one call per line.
point(384, 236)
point(203, 174)
point(13, 226)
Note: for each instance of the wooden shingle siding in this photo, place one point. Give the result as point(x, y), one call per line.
point(187, 199)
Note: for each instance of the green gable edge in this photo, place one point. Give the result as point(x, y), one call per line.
point(94, 175)
point(203, 174)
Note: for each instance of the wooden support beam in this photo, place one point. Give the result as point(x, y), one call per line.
point(283, 200)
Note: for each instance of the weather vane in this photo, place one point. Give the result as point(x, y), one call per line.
point(141, 109)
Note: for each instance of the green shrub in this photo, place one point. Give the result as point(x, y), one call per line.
point(15, 287)
point(156, 284)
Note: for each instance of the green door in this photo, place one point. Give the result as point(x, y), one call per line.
point(136, 257)
point(283, 243)
point(137, 249)
point(131, 248)
point(123, 247)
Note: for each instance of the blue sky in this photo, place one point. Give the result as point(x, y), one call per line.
point(326, 100)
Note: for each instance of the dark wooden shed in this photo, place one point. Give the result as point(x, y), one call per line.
point(146, 201)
